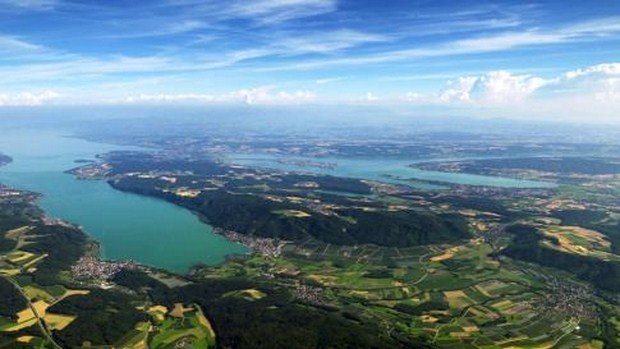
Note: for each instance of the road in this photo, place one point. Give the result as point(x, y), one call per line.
point(40, 322)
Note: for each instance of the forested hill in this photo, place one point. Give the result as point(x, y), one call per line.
point(527, 246)
point(276, 204)
point(251, 214)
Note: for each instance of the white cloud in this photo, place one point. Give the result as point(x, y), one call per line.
point(458, 90)
point(605, 69)
point(602, 26)
point(37, 5)
point(590, 94)
point(505, 41)
point(161, 28)
point(598, 82)
point(328, 41)
point(275, 11)
point(610, 90)
point(503, 87)
point(415, 97)
point(603, 80)
point(370, 97)
point(11, 44)
point(27, 98)
point(326, 81)
point(267, 95)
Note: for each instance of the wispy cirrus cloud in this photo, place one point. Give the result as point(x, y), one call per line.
point(151, 30)
point(260, 12)
point(503, 41)
point(74, 66)
point(325, 81)
point(35, 5)
point(326, 42)
point(9, 44)
point(276, 11)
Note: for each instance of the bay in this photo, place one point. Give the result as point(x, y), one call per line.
point(127, 226)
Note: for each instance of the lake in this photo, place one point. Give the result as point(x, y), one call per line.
point(127, 226)
point(397, 171)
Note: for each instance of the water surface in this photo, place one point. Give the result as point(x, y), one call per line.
point(396, 171)
point(127, 226)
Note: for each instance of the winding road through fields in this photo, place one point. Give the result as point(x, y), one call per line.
point(40, 322)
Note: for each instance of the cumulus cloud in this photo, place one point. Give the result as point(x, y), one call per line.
point(592, 91)
point(268, 95)
point(599, 69)
point(260, 95)
point(609, 91)
point(493, 87)
point(27, 98)
point(459, 89)
point(598, 82)
point(503, 87)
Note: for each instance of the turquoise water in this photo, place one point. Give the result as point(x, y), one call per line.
point(395, 171)
point(128, 226)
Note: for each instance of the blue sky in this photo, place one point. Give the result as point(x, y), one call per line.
point(555, 59)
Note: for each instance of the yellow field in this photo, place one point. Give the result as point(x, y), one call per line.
point(442, 257)
point(158, 312)
point(188, 193)
point(593, 345)
point(21, 326)
point(204, 321)
point(503, 306)
point(292, 213)
point(449, 253)
point(9, 272)
point(25, 339)
point(471, 328)
point(28, 314)
point(35, 261)
point(15, 233)
point(489, 287)
point(34, 292)
point(19, 235)
point(512, 339)
point(254, 293)
point(58, 321)
point(457, 299)
point(483, 312)
point(428, 319)
point(27, 317)
point(18, 256)
point(326, 280)
point(70, 293)
point(360, 293)
point(580, 241)
point(179, 310)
